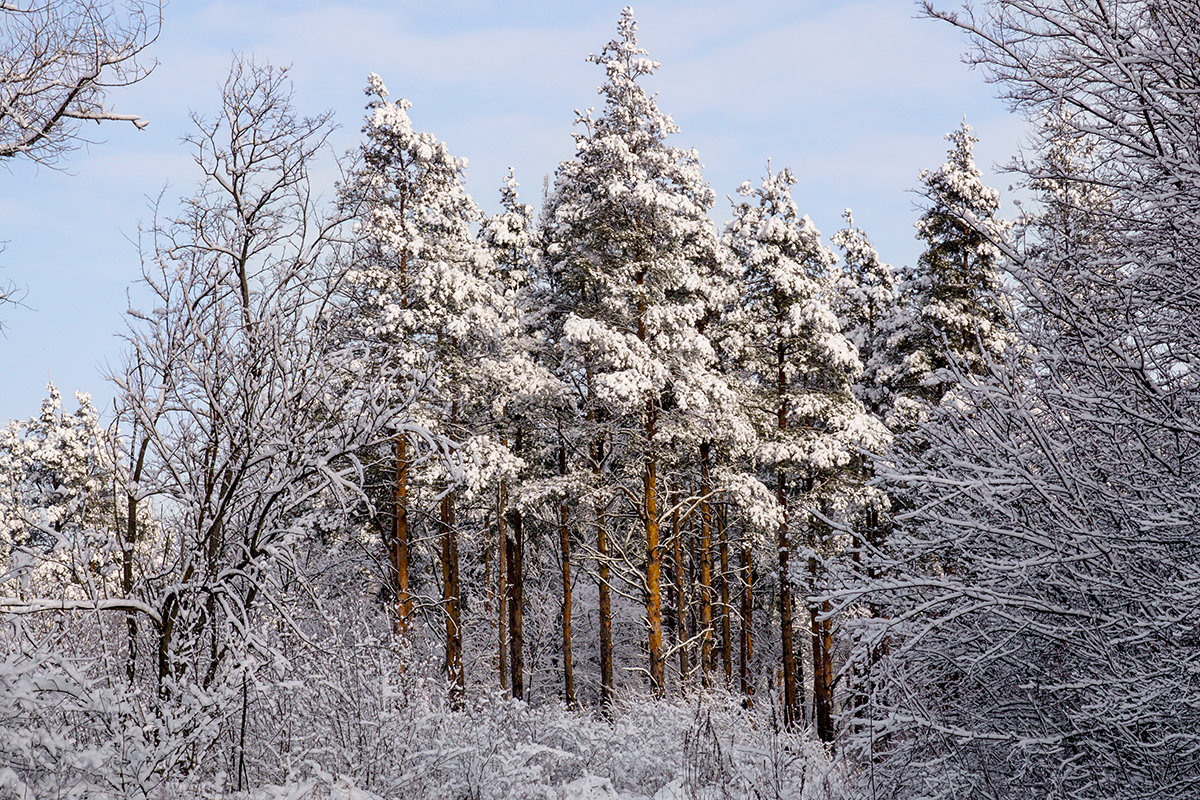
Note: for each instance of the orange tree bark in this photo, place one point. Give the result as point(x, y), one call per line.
point(726, 627)
point(603, 567)
point(564, 533)
point(516, 606)
point(653, 559)
point(400, 537)
point(680, 616)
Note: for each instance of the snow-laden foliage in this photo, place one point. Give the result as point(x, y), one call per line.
point(421, 283)
point(956, 289)
point(513, 379)
point(630, 242)
point(632, 257)
point(427, 292)
point(866, 298)
point(404, 500)
point(797, 372)
point(56, 475)
point(796, 362)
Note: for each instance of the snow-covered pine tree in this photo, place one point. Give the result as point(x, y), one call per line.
point(519, 387)
point(628, 241)
point(800, 372)
point(867, 300)
point(57, 478)
point(429, 301)
point(868, 304)
point(956, 290)
point(705, 432)
point(744, 508)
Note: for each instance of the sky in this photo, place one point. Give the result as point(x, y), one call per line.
point(854, 95)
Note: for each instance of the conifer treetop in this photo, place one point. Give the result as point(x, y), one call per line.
point(957, 289)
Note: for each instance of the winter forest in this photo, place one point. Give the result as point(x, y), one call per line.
point(635, 494)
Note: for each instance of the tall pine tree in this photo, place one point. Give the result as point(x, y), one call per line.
point(800, 371)
point(628, 244)
point(956, 290)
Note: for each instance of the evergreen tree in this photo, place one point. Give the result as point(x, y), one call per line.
point(800, 371)
point(956, 290)
point(428, 300)
point(867, 300)
point(519, 386)
point(628, 238)
point(57, 476)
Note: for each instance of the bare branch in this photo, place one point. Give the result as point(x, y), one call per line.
point(39, 605)
point(58, 61)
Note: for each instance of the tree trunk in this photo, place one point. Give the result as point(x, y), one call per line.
point(564, 535)
point(131, 537)
point(127, 585)
point(822, 658)
point(404, 602)
point(650, 520)
point(653, 559)
point(670, 603)
point(746, 637)
point(400, 537)
point(706, 592)
point(452, 599)
point(793, 711)
point(680, 615)
point(502, 584)
point(516, 585)
point(606, 649)
point(793, 701)
point(874, 533)
point(822, 639)
point(603, 568)
point(726, 628)
point(516, 605)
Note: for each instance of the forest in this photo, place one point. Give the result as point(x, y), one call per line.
point(608, 499)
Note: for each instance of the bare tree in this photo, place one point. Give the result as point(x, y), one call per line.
point(58, 61)
point(244, 406)
point(1041, 638)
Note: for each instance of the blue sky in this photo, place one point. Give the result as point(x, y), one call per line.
point(853, 95)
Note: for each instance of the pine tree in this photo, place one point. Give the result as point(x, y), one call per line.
point(428, 299)
point(867, 300)
point(516, 381)
point(956, 290)
point(873, 318)
point(509, 237)
point(627, 237)
point(800, 372)
point(57, 476)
